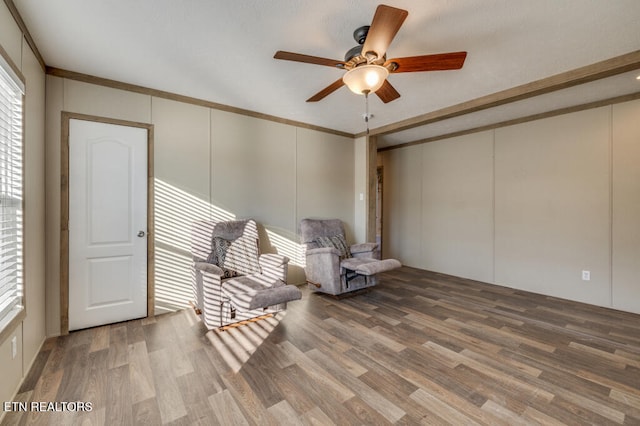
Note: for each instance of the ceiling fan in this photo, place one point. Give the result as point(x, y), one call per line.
point(367, 64)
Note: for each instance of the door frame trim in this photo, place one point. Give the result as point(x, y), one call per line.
point(64, 212)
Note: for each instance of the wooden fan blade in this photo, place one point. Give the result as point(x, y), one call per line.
point(297, 57)
point(387, 92)
point(384, 27)
point(437, 62)
point(326, 91)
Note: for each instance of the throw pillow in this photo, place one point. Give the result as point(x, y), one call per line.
point(219, 247)
point(335, 241)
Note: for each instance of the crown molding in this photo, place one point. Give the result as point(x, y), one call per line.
point(607, 68)
point(540, 116)
point(25, 32)
point(72, 75)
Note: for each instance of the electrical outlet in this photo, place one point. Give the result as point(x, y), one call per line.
point(14, 347)
point(586, 275)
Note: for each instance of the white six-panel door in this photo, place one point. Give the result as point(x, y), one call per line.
point(107, 223)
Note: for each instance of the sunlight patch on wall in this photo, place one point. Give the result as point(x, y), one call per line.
point(183, 224)
point(173, 280)
point(286, 247)
point(175, 212)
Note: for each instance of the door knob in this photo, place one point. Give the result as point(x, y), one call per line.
point(140, 234)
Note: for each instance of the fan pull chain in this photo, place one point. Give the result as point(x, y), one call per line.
point(366, 110)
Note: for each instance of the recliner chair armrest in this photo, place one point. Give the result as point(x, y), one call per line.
point(322, 269)
point(274, 266)
point(208, 267)
point(363, 248)
point(272, 260)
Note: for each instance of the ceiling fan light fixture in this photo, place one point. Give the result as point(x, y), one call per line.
point(365, 78)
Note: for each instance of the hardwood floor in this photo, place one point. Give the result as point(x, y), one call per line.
point(420, 348)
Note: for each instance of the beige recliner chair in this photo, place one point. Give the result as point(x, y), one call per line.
point(334, 267)
point(231, 281)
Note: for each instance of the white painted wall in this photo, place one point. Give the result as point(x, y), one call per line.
point(209, 164)
point(30, 333)
point(552, 206)
point(528, 206)
point(402, 200)
point(360, 183)
point(626, 207)
point(457, 208)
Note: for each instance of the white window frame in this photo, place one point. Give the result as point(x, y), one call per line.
point(12, 90)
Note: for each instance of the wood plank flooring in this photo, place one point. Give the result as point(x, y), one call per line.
point(420, 348)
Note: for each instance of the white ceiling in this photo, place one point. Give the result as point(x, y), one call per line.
point(222, 51)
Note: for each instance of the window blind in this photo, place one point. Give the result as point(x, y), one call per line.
point(11, 215)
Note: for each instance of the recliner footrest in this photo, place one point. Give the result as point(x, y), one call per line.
point(269, 297)
point(248, 293)
point(373, 268)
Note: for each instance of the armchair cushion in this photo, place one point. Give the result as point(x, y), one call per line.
point(208, 267)
point(363, 248)
point(371, 268)
point(234, 247)
point(219, 248)
point(310, 229)
point(356, 262)
point(336, 241)
point(254, 292)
